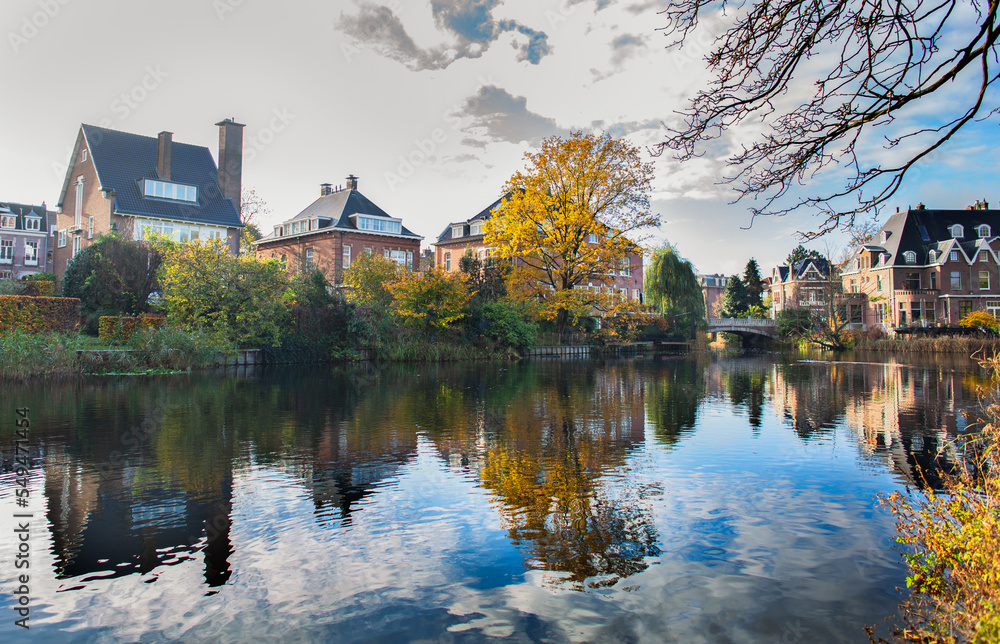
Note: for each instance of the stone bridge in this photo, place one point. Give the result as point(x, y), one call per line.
point(747, 328)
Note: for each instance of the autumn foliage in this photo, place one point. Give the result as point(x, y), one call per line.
point(431, 299)
point(568, 222)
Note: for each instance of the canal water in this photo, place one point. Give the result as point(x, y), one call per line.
point(679, 499)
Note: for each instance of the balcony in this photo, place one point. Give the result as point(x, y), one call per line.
point(75, 229)
point(31, 262)
point(917, 291)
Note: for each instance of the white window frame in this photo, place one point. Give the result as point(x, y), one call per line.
point(78, 201)
point(33, 223)
point(62, 239)
point(8, 221)
point(447, 261)
point(984, 230)
point(31, 253)
point(476, 228)
point(956, 281)
point(457, 231)
point(910, 257)
point(592, 238)
point(169, 190)
point(6, 251)
point(346, 256)
point(932, 256)
point(984, 274)
point(957, 231)
point(310, 256)
point(90, 227)
point(6, 275)
point(953, 257)
point(83, 155)
point(76, 245)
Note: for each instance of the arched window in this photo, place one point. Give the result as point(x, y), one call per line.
point(984, 230)
point(932, 256)
point(957, 231)
point(910, 257)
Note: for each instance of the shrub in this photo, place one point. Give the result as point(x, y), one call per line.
point(113, 274)
point(506, 326)
point(35, 314)
point(167, 347)
point(24, 354)
point(118, 329)
point(432, 299)
point(980, 319)
point(793, 322)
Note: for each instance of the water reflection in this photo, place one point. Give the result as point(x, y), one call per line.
point(141, 475)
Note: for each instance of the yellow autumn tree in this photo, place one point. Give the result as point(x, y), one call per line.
point(429, 299)
point(569, 224)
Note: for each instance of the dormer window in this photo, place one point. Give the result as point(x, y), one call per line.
point(984, 230)
point(910, 257)
point(456, 231)
point(167, 190)
point(379, 225)
point(476, 228)
point(592, 238)
point(8, 221)
point(957, 232)
point(885, 236)
point(932, 256)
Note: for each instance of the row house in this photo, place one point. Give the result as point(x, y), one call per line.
point(124, 182)
point(462, 237)
point(804, 284)
point(335, 229)
point(928, 267)
point(25, 240)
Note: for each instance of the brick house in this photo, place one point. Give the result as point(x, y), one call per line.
point(928, 267)
point(118, 181)
point(337, 228)
point(713, 287)
point(461, 237)
point(804, 285)
point(25, 240)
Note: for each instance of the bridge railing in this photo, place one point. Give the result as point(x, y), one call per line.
point(742, 322)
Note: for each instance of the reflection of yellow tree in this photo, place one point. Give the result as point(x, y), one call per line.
point(545, 468)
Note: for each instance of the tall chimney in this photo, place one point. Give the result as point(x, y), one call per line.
point(352, 182)
point(164, 149)
point(231, 160)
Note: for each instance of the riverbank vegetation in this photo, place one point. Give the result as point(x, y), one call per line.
point(950, 540)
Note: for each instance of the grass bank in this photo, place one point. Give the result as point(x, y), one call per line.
point(26, 355)
point(967, 345)
point(950, 540)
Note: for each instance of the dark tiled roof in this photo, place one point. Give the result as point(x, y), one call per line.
point(482, 215)
point(27, 210)
point(122, 159)
point(907, 232)
point(335, 209)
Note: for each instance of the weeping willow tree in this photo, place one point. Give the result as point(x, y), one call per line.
point(674, 290)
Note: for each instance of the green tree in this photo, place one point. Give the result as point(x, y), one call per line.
point(113, 275)
point(672, 287)
point(800, 252)
point(241, 298)
point(487, 280)
point(753, 283)
point(431, 299)
point(368, 280)
point(734, 300)
point(253, 208)
point(568, 223)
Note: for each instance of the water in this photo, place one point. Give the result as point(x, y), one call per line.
point(652, 500)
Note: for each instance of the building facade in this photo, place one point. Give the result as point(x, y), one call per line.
point(336, 229)
point(25, 240)
point(805, 285)
point(713, 287)
point(133, 184)
point(928, 267)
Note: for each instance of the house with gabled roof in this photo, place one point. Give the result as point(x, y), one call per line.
point(25, 240)
point(928, 266)
point(133, 184)
point(804, 284)
point(461, 237)
point(335, 229)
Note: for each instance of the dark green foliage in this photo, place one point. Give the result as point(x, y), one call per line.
point(506, 325)
point(753, 284)
point(672, 287)
point(735, 300)
point(794, 322)
point(800, 252)
point(487, 281)
point(314, 290)
point(113, 275)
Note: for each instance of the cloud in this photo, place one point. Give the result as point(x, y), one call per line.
point(625, 46)
point(470, 24)
point(496, 115)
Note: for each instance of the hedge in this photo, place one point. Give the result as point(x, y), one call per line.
point(121, 328)
point(39, 288)
point(36, 314)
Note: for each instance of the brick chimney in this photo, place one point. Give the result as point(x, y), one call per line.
point(164, 149)
point(231, 160)
point(352, 182)
point(325, 189)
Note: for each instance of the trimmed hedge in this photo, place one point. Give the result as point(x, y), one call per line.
point(39, 288)
point(37, 314)
point(120, 328)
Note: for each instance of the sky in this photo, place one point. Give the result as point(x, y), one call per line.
point(432, 104)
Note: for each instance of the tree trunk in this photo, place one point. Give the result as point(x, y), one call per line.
point(562, 317)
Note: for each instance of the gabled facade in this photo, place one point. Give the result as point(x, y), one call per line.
point(928, 267)
point(25, 240)
point(464, 236)
point(713, 287)
point(118, 181)
point(804, 285)
point(335, 229)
